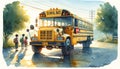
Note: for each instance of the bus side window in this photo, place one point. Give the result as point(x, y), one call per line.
point(80, 24)
point(76, 22)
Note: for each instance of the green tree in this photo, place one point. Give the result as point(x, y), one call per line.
point(14, 19)
point(107, 19)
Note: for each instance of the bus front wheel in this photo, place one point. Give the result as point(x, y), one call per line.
point(37, 49)
point(67, 48)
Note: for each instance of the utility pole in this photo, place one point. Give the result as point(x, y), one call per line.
point(92, 15)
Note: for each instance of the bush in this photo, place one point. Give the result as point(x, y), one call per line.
point(109, 40)
point(8, 44)
point(101, 40)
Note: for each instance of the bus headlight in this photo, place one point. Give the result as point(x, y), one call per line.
point(60, 38)
point(34, 38)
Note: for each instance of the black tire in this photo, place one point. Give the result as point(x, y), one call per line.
point(86, 44)
point(37, 49)
point(49, 47)
point(67, 48)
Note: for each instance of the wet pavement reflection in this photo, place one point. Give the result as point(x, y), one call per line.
point(20, 56)
point(80, 57)
point(87, 51)
point(67, 61)
point(41, 60)
point(11, 58)
point(46, 61)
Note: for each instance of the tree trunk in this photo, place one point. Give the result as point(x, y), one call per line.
point(5, 41)
point(106, 36)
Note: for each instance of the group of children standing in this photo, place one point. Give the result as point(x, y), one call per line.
point(23, 41)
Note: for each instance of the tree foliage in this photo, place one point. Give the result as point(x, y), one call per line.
point(14, 18)
point(107, 19)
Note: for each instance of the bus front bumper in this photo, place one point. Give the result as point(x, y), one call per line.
point(47, 43)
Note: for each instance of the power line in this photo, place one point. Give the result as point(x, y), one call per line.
point(92, 15)
point(42, 3)
point(48, 4)
point(65, 4)
point(32, 6)
point(70, 7)
point(73, 10)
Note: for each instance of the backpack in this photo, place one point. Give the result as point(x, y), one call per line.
point(21, 40)
point(25, 42)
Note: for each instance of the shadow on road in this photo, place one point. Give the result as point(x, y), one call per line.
point(8, 55)
point(66, 61)
point(20, 56)
point(37, 58)
point(95, 56)
point(87, 51)
point(41, 60)
point(8, 61)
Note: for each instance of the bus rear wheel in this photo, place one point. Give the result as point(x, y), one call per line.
point(49, 47)
point(37, 49)
point(86, 44)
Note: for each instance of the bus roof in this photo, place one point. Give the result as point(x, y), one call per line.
point(55, 12)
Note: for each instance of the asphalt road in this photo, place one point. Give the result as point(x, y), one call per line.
point(99, 54)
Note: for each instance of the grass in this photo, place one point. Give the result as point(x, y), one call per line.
point(112, 41)
point(109, 40)
point(8, 44)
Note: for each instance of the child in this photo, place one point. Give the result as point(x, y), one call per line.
point(26, 42)
point(22, 40)
point(16, 42)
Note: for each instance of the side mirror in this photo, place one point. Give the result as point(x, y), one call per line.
point(31, 27)
point(57, 30)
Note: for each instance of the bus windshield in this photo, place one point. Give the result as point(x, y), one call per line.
point(56, 21)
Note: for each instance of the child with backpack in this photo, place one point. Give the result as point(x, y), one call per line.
point(16, 42)
point(22, 40)
point(26, 42)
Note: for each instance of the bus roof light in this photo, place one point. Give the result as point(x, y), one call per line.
point(56, 8)
point(53, 8)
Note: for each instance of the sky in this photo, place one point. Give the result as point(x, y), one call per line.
point(81, 8)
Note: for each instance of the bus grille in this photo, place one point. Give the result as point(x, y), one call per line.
point(45, 35)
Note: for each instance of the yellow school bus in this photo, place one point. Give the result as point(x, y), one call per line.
point(59, 28)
